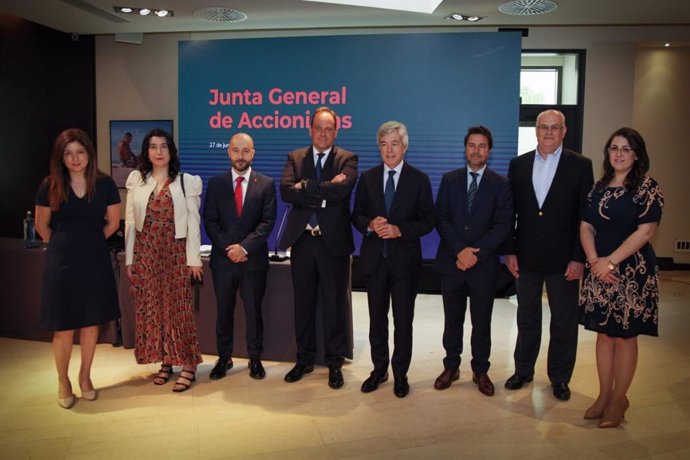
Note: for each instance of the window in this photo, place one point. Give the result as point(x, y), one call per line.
point(551, 79)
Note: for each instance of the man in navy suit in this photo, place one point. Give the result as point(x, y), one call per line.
point(239, 214)
point(394, 208)
point(550, 187)
point(474, 212)
point(318, 181)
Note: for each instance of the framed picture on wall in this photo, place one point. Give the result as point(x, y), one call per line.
point(126, 137)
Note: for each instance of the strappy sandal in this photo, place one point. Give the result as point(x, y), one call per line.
point(164, 374)
point(179, 386)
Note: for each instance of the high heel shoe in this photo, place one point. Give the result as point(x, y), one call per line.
point(163, 375)
point(613, 420)
point(67, 402)
point(179, 386)
point(594, 412)
point(88, 395)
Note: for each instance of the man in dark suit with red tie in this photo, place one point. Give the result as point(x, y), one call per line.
point(394, 208)
point(474, 213)
point(318, 181)
point(239, 214)
point(550, 187)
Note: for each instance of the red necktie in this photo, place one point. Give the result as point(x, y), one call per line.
point(238, 195)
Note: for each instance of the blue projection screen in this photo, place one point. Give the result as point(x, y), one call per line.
point(437, 84)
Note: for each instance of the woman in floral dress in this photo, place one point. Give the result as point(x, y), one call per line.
point(162, 251)
point(620, 292)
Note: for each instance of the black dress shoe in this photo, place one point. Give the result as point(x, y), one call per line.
point(561, 391)
point(517, 381)
point(373, 382)
point(298, 371)
point(335, 377)
point(401, 387)
point(486, 386)
point(221, 369)
point(256, 369)
point(447, 377)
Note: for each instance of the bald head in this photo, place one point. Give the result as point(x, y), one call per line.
point(241, 152)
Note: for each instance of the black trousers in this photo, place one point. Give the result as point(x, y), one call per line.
point(320, 278)
point(563, 303)
point(455, 290)
point(384, 288)
point(251, 286)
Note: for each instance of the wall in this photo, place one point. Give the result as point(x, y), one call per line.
point(661, 111)
point(140, 81)
point(46, 85)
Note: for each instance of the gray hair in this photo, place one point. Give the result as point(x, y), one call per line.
point(390, 126)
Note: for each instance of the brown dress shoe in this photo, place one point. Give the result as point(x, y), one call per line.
point(447, 377)
point(484, 383)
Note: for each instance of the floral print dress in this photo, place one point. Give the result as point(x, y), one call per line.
point(165, 328)
point(629, 308)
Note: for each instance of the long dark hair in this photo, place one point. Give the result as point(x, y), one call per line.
point(59, 179)
point(640, 167)
point(145, 165)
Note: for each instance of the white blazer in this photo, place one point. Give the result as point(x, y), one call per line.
point(185, 208)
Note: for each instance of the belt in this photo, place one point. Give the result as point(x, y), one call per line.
point(313, 232)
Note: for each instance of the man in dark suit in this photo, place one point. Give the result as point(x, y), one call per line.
point(318, 181)
point(550, 187)
point(394, 208)
point(474, 212)
point(239, 214)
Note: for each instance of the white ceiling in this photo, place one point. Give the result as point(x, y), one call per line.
point(99, 17)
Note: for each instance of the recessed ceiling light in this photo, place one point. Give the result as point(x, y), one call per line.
point(667, 45)
point(464, 17)
point(143, 11)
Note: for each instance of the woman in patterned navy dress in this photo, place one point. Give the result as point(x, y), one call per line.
point(162, 238)
point(620, 292)
point(77, 209)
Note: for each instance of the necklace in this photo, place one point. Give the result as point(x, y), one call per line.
point(79, 187)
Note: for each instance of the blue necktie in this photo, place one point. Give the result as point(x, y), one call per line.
point(389, 191)
point(472, 191)
point(388, 194)
point(312, 220)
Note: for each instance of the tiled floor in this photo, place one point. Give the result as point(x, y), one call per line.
point(238, 417)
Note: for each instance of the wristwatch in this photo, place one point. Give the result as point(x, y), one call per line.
point(611, 265)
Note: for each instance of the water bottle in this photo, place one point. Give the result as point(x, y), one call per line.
point(29, 228)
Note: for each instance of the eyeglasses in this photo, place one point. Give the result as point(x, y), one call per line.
point(615, 149)
point(549, 128)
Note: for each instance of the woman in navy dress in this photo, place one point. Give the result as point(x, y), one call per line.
point(77, 209)
point(620, 292)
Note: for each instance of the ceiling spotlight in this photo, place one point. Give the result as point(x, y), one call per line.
point(144, 11)
point(464, 17)
point(667, 45)
point(125, 9)
point(162, 13)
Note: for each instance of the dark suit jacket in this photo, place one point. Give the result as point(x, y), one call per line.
point(412, 211)
point(334, 219)
point(545, 239)
point(486, 227)
point(251, 231)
